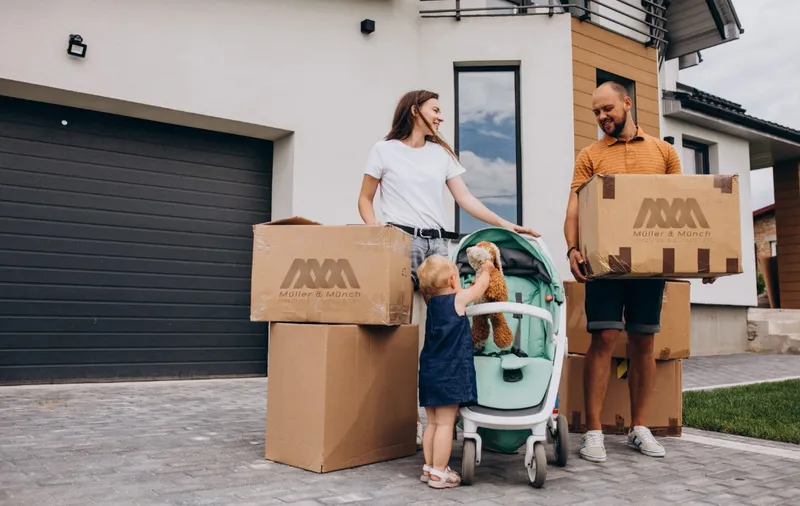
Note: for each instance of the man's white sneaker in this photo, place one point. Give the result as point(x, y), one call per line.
point(419, 435)
point(640, 438)
point(592, 448)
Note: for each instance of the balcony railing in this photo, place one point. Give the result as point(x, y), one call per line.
point(641, 20)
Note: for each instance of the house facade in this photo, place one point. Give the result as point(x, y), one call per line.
point(133, 170)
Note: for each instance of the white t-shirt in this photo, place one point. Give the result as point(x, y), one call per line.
point(412, 182)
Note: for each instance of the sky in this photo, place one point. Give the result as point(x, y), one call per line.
point(760, 71)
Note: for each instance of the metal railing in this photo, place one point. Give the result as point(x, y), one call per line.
point(650, 15)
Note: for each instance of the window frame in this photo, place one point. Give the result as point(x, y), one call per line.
point(601, 76)
point(703, 150)
point(515, 69)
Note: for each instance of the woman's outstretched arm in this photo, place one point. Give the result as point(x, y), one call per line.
point(476, 209)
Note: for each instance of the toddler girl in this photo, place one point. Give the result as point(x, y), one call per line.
point(446, 364)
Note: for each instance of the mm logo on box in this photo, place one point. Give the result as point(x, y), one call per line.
point(311, 274)
point(679, 213)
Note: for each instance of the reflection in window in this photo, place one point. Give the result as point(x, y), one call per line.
point(695, 158)
point(487, 141)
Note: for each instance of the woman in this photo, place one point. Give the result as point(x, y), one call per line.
point(412, 165)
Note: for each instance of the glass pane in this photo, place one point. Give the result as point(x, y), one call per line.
point(487, 143)
point(689, 161)
point(699, 162)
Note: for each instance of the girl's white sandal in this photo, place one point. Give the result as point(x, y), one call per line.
point(447, 479)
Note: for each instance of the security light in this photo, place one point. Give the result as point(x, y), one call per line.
point(76, 46)
point(367, 26)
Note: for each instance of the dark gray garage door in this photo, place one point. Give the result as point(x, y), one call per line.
point(125, 247)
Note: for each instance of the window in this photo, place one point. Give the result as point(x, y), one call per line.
point(602, 76)
point(773, 248)
point(488, 141)
point(695, 158)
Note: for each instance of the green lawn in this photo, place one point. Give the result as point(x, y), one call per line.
point(765, 411)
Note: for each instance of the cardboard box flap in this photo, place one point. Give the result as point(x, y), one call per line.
point(294, 220)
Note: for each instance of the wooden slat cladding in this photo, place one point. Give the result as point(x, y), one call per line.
point(787, 221)
point(595, 48)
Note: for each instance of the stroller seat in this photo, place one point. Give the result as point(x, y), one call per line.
point(516, 377)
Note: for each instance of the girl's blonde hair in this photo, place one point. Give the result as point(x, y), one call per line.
point(434, 274)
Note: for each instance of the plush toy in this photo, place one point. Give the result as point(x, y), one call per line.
point(486, 251)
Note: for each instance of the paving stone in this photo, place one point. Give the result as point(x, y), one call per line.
point(202, 443)
point(727, 369)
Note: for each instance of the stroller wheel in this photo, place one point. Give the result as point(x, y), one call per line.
point(537, 472)
point(561, 441)
point(468, 457)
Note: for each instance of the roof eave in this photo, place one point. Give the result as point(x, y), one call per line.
point(766, 146)
point(718, 24)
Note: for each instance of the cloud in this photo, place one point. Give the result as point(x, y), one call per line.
point(486, 95)
point(760, 71)
point(492, 181)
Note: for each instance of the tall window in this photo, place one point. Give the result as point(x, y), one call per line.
point(695, 158)
point(488, 141)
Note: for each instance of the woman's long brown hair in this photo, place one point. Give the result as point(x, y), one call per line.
point(403, 121)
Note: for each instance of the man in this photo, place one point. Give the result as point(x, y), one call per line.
point(624, 149)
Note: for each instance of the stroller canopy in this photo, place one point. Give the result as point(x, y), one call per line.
point(520, 256)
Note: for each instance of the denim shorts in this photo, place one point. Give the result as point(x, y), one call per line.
point(630, 304)
point(422, 248)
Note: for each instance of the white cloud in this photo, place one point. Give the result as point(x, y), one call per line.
point(486, 94)
point(761, 188)
point(491, 181)
point(760, 71)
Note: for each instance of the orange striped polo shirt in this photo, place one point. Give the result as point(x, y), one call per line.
point(644, 154)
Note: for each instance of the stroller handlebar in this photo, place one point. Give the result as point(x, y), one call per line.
point(510, 307)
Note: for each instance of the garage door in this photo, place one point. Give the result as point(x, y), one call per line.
point(125, 247)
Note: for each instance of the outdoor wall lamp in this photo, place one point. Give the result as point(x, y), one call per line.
point(367, 26)
point(76, 46)
point(670, 139)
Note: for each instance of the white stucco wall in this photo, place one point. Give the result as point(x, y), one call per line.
point(545, 101)
point(299, 66)
point(728, 155)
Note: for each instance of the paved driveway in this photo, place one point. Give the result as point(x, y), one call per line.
point(202, 443)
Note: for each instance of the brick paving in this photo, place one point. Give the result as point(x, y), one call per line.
point(701, 372)
point(202, 443)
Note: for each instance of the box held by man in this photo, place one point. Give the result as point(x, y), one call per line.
point(679, 226)
point(350, 274)
point(340, 396)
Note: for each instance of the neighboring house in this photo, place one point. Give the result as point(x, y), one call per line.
point(764, 230)
point(130, 178)
point(716, 136)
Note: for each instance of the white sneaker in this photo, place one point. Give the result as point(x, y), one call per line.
point(640, 438)
point(419, 435)
point(592, 448)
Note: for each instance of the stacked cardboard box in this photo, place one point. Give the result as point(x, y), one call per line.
point(649, 226)
point(342, 362)
point(664, 415)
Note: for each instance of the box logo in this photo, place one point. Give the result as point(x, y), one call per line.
point(310, 274)
point(661, 213)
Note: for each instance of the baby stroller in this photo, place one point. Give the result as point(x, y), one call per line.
point(518, 386)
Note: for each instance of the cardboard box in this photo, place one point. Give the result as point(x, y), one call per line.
point(341, 396)
point(352, 274)
point(679, 226)
point(664, 414)
point(672, 342)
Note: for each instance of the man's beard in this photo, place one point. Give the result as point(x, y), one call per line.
point(619, 126)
